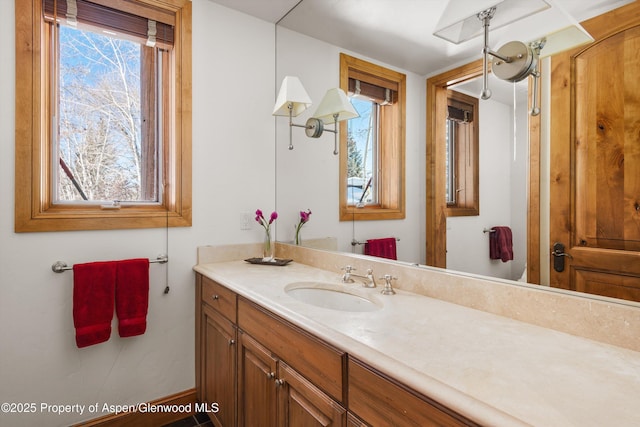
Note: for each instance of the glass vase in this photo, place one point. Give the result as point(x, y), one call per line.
point(298, 238)
point(267, 247)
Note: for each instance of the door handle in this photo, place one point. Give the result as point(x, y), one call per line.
point(558, 256)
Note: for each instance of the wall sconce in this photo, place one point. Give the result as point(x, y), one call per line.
point(334, 107)
point(292, 100)
point(515, 60)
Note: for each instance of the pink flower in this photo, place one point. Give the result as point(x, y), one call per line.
point(260, 219)
point(304, 218)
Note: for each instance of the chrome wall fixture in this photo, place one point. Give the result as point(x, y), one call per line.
point(293, 99)
point(513, 62)
point(463, 20)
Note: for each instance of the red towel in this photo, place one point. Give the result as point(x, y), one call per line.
point(132, 296)
point(93, 289)
point(500, 245)
point(383, 248)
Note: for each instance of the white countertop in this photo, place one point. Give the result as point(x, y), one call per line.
point(492, 369)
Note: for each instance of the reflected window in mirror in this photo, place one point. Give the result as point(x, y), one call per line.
point(372, 154)
point(362, 152)
point(462, 169)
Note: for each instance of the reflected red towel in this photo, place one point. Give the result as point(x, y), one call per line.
point(383, 248)
point(132, 296)
point(93, 289)
point(500, 244)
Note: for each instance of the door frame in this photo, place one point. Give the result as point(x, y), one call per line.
point(436, 217)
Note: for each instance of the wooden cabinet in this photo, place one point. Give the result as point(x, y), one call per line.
point(261, 370)
point(273, 393)
point(320, 363)
point(257, 370)
point(219, 367)
point(216, 353)
point(300, 403)
point(382, 401)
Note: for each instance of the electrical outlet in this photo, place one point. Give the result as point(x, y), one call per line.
point(245, 220)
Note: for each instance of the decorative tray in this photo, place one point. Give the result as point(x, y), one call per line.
point(275, 261)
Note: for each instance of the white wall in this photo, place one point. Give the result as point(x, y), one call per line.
point(503, 194)
point(467, 245)
point(307, 176)
point(233, 171)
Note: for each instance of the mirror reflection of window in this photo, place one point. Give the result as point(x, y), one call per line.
point(362, 147)
point(372, 154)
point(461, 166)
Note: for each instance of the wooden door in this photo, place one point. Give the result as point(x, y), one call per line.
point(595, 160)
point(256, 384)
point(219, 366)
point(301, 404)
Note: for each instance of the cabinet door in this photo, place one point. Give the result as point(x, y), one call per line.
point(256, 384)
point(219, 357)
point(380, 401)
point(301, 404)
point(353, 421)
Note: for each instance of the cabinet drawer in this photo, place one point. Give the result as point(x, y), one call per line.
point(380, 401)
point(219, 298)
point(320, 363)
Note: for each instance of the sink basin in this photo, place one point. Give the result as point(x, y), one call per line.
point(332, 296)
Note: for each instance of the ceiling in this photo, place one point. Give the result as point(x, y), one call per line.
point(400, 32)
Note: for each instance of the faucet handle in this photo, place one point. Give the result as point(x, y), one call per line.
point(388, 288)
point(348, 269)
point(346, 277)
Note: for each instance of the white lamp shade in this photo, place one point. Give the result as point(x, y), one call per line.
point(459, 21)
point(291, 92)
point(335, 101)
point(564, 39)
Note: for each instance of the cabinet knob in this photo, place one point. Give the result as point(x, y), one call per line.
point(279, 382)
point(232, 342)
point(215, 297)
point(271, 375)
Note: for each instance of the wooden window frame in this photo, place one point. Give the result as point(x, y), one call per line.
point(391, 185)
point(34, 209)
point(466, 161)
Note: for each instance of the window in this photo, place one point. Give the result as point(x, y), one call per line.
point(462, 155)
point(372, 154)
point(103, 126)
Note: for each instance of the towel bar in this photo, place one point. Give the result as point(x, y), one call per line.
point(356, 242)
point(488, 230)
point(60, 267)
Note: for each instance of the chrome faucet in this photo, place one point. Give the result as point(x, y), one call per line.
point(388, 289)
point(368, 281)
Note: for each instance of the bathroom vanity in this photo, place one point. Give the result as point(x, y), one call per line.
point(268, 354)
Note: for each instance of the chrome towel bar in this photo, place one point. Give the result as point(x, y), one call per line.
point(356, 242)
point(60, 266)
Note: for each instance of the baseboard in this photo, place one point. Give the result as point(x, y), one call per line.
point(185, 400)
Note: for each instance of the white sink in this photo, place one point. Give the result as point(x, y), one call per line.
point(332, 296)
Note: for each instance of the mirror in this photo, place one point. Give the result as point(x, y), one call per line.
point(307, 177)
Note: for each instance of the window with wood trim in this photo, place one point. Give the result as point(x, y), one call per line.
point(373, 145)
point(462, 155)
point(103, 124)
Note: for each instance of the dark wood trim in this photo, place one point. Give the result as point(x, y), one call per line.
point(148, 419)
